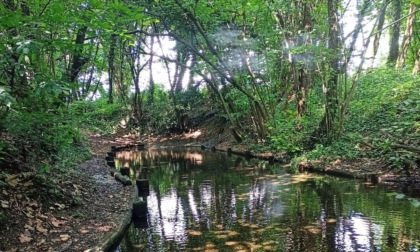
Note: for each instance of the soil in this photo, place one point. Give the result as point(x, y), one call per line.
point(88, 207)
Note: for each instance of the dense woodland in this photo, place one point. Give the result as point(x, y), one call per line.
point(301, 77)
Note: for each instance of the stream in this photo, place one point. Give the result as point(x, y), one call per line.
point(199, 200)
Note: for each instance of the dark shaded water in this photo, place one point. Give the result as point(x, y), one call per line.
point(209, 201)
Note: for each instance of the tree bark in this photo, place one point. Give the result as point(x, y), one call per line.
point(150, 99)
point(416, 68)
point(111, 68)
point(381, 21)
point(327, 129)
point(361, 15)
point(395, 33)
point(78, 60)
point(408, 34)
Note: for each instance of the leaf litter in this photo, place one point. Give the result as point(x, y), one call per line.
point(34, 221)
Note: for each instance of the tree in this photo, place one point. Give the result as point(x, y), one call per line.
point(380, 25)
point(416, 68)
point(394, 32)
point(328, 126)
point(408, 34)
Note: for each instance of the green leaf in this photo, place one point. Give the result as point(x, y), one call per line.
point(415, 202)
point(400, 196)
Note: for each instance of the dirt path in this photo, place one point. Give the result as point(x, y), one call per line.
point(93, 210)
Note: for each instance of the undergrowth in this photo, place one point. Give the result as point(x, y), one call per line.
point(383, 122)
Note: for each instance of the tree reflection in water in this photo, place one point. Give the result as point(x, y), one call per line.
point(202, 200)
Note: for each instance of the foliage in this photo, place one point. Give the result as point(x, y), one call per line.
point(160, 113)
point(98, 116)
point(267, 66)
point(384, 112)
point(44, 139)
point(6, 101)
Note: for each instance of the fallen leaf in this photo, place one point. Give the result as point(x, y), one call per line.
point(29, 183)
point(41, 229)
point(11, 177)
point(4, 204)
point(33, 204)
point(29, 227)
point(60, 206)
point(104, 228)
point(57, 223)
point(64, 237)
point(84, 231)
point(23, 238)
point(13, 182)
point(41, 242)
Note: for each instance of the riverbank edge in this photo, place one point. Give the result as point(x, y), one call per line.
point(111, 239)
point(375, 177)
point(376, 171)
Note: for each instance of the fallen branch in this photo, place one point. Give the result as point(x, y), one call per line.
point(406, 147)
point(395, 146)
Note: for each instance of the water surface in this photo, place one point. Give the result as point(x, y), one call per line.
point(211, 201)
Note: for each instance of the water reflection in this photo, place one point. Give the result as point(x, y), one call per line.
point(208, 201)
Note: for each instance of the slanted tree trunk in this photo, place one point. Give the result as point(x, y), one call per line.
point(86, 88)
point(361, 15)
point(381, 21)
point(395, 32)
point(408, 34)
point(235, 128)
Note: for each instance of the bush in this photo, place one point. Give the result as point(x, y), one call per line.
point(98, 116)
point(42, 138)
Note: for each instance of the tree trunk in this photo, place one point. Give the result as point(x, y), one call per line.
point(191, 74)
point(78, 60)
point(235, 129)
point(408, 34)
point(93, 68)
point(361, 15)
point(416, 69)
point(150, 99)
point(111, 68)
point(395, 32)
point(381, 21)
point(327, 129)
